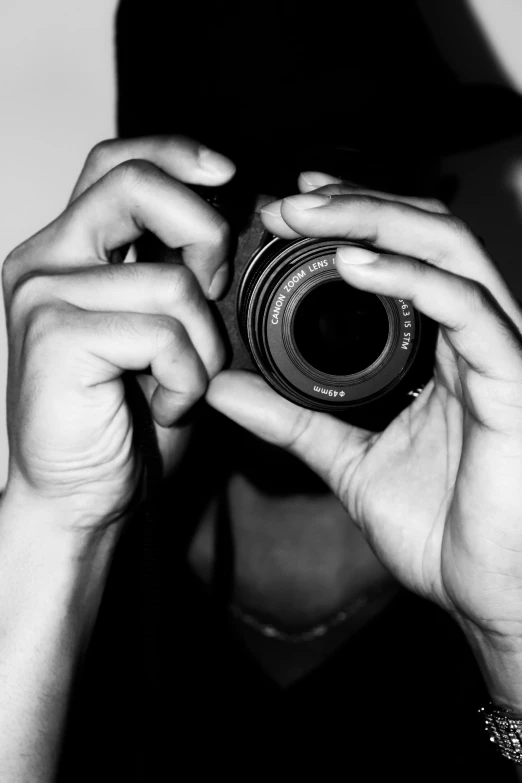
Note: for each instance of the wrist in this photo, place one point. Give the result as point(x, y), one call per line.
point(500, 661)
point(83, 515)
point(51, 584)
point(47, 565)
point(71, 521)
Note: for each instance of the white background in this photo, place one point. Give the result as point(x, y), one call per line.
point(57, 99)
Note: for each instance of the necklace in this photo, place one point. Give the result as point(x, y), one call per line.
point(297, 637)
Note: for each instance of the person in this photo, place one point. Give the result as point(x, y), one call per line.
point(411, 533)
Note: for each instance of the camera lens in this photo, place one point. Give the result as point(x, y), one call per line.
point(339, 330)
point(318, 341)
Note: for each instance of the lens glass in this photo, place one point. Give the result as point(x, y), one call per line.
point(338, 329)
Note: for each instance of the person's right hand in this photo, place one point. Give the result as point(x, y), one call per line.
point(77, 322)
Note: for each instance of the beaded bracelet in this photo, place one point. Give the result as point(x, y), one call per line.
point(505, 731)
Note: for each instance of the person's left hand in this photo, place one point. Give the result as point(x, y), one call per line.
point(438, 494)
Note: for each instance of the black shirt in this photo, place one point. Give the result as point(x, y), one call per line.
point(169, 691)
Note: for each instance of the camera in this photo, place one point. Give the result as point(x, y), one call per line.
point(317, 341)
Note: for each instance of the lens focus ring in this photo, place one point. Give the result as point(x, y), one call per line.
point(317, 340)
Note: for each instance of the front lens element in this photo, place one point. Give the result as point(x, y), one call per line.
point(340, 330)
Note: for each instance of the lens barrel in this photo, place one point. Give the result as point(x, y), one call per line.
point(318, 341)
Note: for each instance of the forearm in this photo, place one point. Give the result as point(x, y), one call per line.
point(50, 589)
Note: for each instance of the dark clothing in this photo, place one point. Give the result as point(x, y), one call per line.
point(168, 691)
point(399, 700)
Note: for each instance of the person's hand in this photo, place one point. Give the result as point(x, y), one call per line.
point(438, 494)
point(76, 323)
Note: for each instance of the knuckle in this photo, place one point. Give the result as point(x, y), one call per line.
point(475, 295)
point(423, 272)
point(133, 174)
point(43, 323)
point(367, 205)
point(369, 208)
point(437, 206)
point(169, 334)
point(11, 268)
point(359, 201)
point(459, 229)
point(27, 292)
point(218, 229)
point(102, 155)
point(178, 284)
point(124, 326)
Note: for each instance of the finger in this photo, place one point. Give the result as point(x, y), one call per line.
point(168, 289)
point(333, 186)
point(387, 224)
point(180, 157)
point(133, 197)
point(327, 185)
point(328, 446)
point(474, 323)
point(311, 180)
point(92, 349)
point(441, 240)
point(274, 221)
point(172, 440)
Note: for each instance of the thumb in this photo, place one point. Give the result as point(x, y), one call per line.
point(329, 447)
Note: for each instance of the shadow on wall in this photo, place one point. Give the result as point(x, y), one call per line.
point(460, 39)
point(489, 198)
point(489, 195)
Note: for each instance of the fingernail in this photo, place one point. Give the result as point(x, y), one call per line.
point(307, 201)
point(219, 282)
point(316, 179)
point(213, 161)
point(356, 255)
